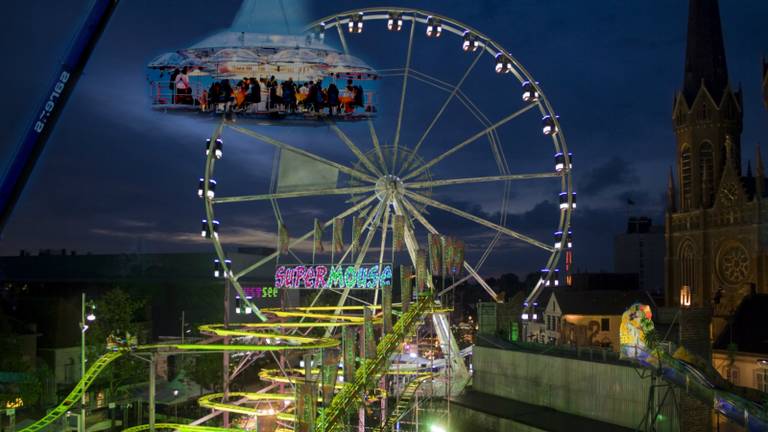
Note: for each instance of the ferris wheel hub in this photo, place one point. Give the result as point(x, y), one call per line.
point(389, 186)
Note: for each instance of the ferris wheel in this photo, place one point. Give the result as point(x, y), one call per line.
point(393, 172)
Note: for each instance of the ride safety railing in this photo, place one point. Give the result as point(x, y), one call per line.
point(403, 403)
point(366, 377)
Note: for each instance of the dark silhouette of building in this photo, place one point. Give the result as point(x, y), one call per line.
point(640, 250)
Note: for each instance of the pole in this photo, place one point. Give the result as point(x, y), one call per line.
point(152, 372)
point(225, 360)
point(181, 356)
point(81, 420)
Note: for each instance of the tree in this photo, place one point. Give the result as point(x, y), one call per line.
point(206, 370)
point(117, 312)
point(25, 376)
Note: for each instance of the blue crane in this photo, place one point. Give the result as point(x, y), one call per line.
point(32, 144)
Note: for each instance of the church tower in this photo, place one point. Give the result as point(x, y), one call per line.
point(706, 111)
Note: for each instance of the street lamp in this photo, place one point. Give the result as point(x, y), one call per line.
point(84, 319)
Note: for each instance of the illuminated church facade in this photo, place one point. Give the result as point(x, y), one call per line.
point(717, 215)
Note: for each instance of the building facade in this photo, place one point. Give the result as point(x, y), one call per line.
point(717, 217)
point(640, 250)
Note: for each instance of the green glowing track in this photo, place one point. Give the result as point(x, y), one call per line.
point(368, 374)
point(179, 427)
point(282, 342)
point(365, 378)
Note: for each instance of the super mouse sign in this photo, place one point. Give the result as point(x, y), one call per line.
point(325, 276)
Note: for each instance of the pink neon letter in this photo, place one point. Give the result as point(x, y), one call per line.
point(320, 272)
point(300, 271)
point(279, 274)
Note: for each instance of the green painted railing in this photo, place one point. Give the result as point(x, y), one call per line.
point(367, 375)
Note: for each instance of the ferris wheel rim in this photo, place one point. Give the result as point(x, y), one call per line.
point(489, 46)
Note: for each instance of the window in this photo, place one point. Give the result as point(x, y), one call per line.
point(685, 177)
point(733, 374)
point(605, 324)
point(761, 380)
point(707, 174)
point(686, 257)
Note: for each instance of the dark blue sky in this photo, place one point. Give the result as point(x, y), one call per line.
point(118, 177)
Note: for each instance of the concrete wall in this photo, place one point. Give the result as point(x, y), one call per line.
point(467, 419)
point(606, 392)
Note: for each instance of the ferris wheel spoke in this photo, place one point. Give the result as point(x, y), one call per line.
point(416, 214)
point(290, 148)
point(297, 194)
point(376, 146)
point(384, 229)
point(468, 180)
point(352, 147)
point(309, 234)
point(469, 140)
point(514, 234)
point(439, 113)
point(396, 141)
point(361, 256)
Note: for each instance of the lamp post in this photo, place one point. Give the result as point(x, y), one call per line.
point(84, 319)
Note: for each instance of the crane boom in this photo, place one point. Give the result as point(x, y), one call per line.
point(31, 146)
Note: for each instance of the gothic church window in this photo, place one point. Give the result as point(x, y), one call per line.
point(685, 175)
point(707, 165)
point(686, 257)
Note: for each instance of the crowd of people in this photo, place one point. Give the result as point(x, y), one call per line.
point(251, 95)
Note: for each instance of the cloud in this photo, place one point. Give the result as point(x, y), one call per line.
point(613, 173)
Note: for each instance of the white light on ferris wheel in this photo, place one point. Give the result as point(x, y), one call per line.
point(211, 188)
point(470, 42)
point(395, 21)
point(205, 233)
point(218, 148)
point(355, 24)
point(434, 27)
point(503, 63)
point(530, 94)
point(548, 126)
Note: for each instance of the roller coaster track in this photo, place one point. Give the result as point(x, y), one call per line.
point(179, 427)
point(404, 403)
point(365, 378)
point(74, 396)
point(367, 375)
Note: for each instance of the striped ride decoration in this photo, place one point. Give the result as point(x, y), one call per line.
point(329, 372)
point(369, 335)
point(357, 232)
point(306, 405)
point(338, 235)
point(398, 232)
point(282, 238)
point(458, 257)
point(421, 271)
point(448, 245)
point(349, 342)
point(318, 244)
point(386, 308)
point(406, 286)
point(435, 254)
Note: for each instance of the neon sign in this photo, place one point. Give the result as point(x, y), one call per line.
point(323, 276)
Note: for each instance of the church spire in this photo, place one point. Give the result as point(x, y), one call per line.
point(705, 52)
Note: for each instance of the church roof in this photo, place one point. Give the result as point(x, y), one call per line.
point(747, 329)
point(705, 52)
